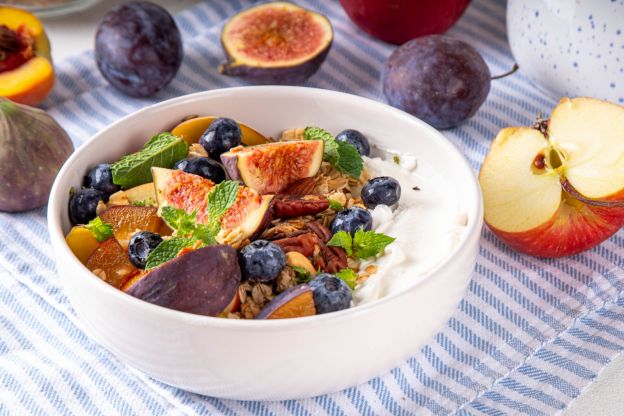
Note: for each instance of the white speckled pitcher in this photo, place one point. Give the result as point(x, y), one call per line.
point(570, 47)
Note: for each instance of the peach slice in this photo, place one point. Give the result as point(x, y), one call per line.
point(110, 263)
point(81, 242)
point(126, 220)
point(191, 130)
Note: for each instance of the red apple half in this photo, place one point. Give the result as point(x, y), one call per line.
point(558, 191)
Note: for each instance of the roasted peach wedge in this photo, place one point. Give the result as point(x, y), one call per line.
point(127, 219)
point(110, 263)
point(192, 129)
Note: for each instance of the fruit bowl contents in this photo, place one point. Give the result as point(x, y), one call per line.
point(214, 219)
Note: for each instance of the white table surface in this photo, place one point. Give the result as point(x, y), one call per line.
point(72, 34)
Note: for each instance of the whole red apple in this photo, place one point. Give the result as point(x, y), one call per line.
point(397, 21)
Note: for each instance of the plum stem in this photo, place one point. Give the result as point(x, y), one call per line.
point(567, 186)
point(506, 74)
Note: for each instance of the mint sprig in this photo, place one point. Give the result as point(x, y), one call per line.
point(162, 150)
point(187, 232)
point(335, 205)
point(166, 251)
point(349, 276)
point(341, 155)
point(101, 231)
point(363, 244)
point(301, 275)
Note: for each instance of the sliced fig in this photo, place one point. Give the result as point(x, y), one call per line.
point(296, 302)
point(192, 129)
point(271, 168)
point(202, 281)
point(249, 214)
point(275, 43)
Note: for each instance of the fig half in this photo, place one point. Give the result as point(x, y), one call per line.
point(272, 167)
point(275, 43)
point(244, 219)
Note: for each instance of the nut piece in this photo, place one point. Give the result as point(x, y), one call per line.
point(197, 150)
point(294, 258)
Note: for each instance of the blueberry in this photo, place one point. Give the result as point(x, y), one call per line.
point(352, 219)
point(141, 244)
point(382, 190)
point(202, 166)
point(83, 205)
point(355, 138)
point(330, 293)
point(101, 178)
point(262, 261)
point(221, 136)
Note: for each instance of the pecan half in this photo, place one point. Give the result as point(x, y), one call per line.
point(301, 187)
point(331, 259)
point(320, 230)
point(303, 243)
point(291, 207)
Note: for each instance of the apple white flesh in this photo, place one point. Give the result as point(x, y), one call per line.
point(561, 193)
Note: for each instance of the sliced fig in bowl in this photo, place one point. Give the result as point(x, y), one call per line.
point(248, 215)
point(275, 43)
point(272, 167)
point(202, 281)
point(296, 302)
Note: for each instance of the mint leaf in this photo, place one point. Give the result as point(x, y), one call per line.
point(341, 155)
point(330, 149)
point(349, 276)
point(178, 219)
point(100, 230)
point(220, 199)
point(369, 243)
point(349, 160)
point(162, 150)
point(203, 233)
point(166, 251)
point(301, 274)
point(342, 239)
point(335, 205)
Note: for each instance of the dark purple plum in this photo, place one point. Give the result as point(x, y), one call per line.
point(436, 78)
point(138, 48)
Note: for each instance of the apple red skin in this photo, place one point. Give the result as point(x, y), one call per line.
point(202, 281)
point(571, 230)
point(397, 21)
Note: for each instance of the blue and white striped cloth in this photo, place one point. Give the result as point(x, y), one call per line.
point(527, 338)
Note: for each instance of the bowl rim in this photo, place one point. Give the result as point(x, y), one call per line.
point(57, 236)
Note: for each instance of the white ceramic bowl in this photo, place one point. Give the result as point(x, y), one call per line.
point(570, 47)
point(279, 359)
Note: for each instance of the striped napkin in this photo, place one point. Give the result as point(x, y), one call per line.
point(528, 337)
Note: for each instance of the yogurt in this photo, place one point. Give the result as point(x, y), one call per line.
point(427, 223)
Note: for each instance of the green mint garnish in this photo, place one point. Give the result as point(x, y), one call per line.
point(187, 232)
point(363, 245)
point(349, 277)
point(396, 159)
point(166, 251)
point(335, 205)
point(100, 230)
point(162, 150)
point(341, 155)
point(220, 200)
point(302, 275)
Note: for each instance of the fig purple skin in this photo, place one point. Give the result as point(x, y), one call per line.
point(34, 146)
point(138, 48)
point(275, 43)
point(437, 78)
point(293, 75)
point(202, 281)
point(295, 302)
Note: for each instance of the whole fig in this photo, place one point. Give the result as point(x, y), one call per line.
point(438, 79)
point(34, 146)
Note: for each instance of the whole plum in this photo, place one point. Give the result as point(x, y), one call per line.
point(436, 78)
point(138, 48)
